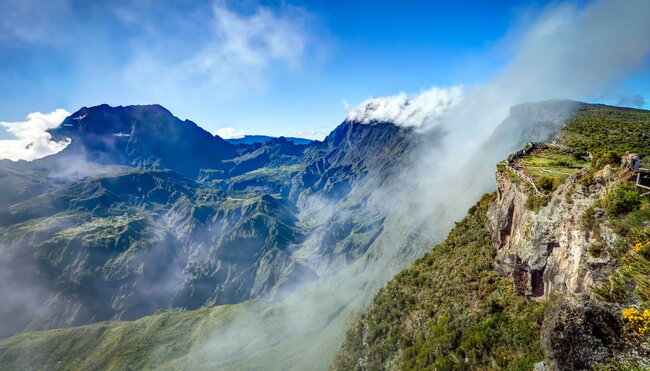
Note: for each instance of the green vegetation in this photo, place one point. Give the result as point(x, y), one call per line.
point(600, 128)
point(601, 158)
point(622, 199)
point(271, 178)
point(149, 342)
point(450, 311)
point(629, 286)
point(627, 282)
point(548, 167)
point(536, 202)
point(628, 215)
point(596, 249)
point(552, 165)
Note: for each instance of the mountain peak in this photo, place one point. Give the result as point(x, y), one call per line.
point(141, 135)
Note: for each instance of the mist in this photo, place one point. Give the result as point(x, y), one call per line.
point(569, 52)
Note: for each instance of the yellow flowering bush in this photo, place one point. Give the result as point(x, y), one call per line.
point(638, 322)
point(641, 247)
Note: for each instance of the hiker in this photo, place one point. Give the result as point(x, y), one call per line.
point(631, 161)
point(635, 162)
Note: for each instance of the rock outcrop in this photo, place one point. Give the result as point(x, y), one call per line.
point(546, 251)
point(580, 334)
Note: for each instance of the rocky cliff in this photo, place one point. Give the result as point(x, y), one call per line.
point(545, 251)
point(548, 253)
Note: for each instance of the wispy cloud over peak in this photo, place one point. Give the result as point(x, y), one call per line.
point(416, 110)
point(262, 36)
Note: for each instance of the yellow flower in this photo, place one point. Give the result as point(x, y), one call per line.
point(638, 322)
point(641, 245)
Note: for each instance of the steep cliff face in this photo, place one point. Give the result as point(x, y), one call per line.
point(545, 251)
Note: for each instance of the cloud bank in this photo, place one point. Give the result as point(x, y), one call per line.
point(243, 44)
point(414, 110)
point(229, 133)
point(32, 141)
point(569, 52)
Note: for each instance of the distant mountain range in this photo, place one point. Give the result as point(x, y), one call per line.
point(251, 139)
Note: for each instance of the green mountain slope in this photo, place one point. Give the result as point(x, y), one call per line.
point(450, 308)
point(125, 244)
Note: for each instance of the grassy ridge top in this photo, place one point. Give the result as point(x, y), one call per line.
point(597, 127)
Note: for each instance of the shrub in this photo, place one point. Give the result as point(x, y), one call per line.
point(596, 249)
point(622, 199)
point(545, 183)
point(587, 177)
point(598, 129)
point(617, 290)
point(637, 321)
point(588, 219)
point(605, 157)
point(536, 202)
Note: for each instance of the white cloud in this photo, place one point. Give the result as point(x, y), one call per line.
point(570, 52)
point(244, 44)
point(229, 133)
point(417, 110)
point(233, 54)
point(32, 141)
point(32, 21)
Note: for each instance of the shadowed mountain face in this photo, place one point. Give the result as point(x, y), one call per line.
point(142, 136)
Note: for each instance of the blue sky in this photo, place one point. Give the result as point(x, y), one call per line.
point(261, 67)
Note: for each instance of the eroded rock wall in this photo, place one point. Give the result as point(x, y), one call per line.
point(545, 251)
